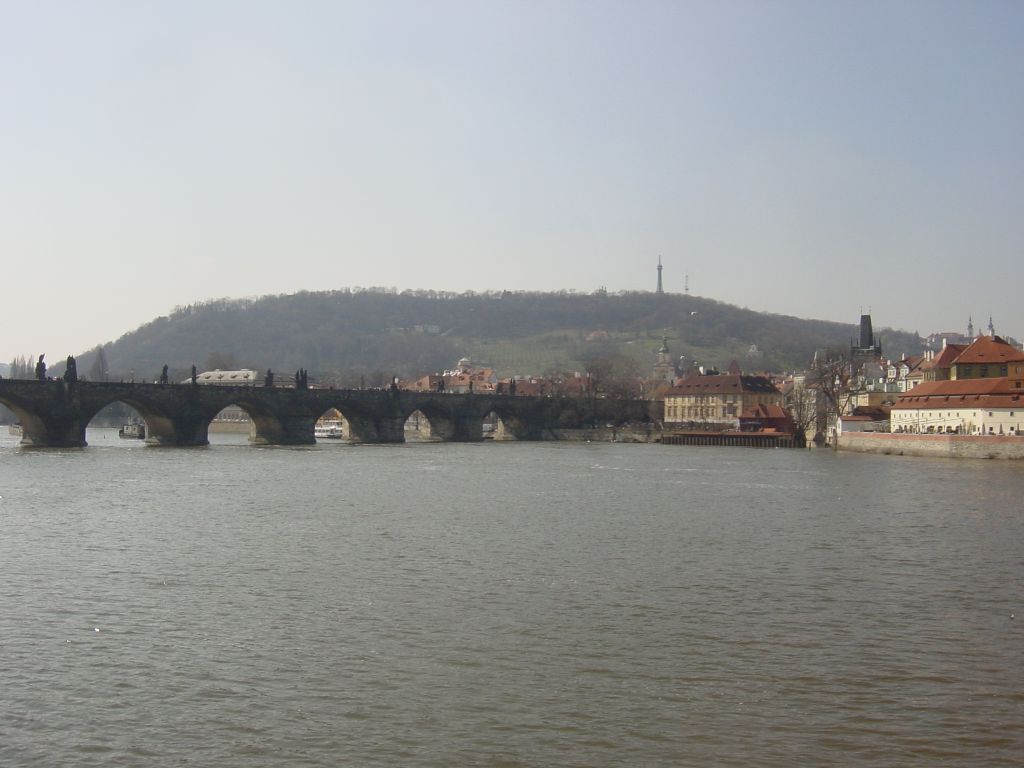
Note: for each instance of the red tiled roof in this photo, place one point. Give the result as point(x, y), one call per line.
point(724, 384)
point(913, 362)
point(948, 355)
point(945, 358)
point(764, 411)
point(989, 349)
point(962, 393)
point(998, 384)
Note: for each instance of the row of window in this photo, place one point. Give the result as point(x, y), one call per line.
point(678, 413)
point(905, 415)
point(967, 371)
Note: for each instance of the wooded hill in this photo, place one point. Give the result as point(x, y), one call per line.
point(349, 337)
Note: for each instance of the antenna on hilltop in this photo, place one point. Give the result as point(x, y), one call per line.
point(686, 283)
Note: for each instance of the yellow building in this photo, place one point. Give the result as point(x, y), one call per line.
point(717, 399)
point(989, 357)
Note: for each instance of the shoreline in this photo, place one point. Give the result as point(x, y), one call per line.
point(942, 446)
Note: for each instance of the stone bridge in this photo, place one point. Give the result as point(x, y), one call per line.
point(55, 413)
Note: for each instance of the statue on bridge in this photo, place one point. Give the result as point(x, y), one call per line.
point(268, 380)
point(163, 375)
point(71, 370)
point(41, 369)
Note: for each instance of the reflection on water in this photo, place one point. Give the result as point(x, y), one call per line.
point(506, 604)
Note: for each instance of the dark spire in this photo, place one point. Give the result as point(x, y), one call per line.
point(867, 337)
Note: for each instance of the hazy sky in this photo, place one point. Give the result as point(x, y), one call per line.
point(808, 158)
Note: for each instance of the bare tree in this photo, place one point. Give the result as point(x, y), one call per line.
point(23, 367)
point(831, 377)
point(801, 402)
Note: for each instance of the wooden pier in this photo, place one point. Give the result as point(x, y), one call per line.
point(734, 439)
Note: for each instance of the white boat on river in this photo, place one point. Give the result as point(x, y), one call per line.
point(328, 429)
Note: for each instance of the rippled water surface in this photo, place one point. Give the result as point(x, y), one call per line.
point(507, 605)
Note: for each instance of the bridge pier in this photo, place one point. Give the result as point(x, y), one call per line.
point(180, 431)
point(467, 428)
point(290, 430)
point(52, 432)
point(512, 428)
point(52, 419)
point(370, 428)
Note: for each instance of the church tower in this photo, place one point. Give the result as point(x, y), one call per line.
point(660, 289)
point(664, 368)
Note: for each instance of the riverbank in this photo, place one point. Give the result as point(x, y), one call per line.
point(942, 446)
point(645, 433)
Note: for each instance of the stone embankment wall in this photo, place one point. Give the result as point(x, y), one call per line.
point(946, 446)
point(639, 434)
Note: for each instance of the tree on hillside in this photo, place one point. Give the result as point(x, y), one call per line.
point(99, 370)
point(221, 361)
point(356, 332)
point(612, 375)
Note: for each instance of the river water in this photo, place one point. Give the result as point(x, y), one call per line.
point(507, 604)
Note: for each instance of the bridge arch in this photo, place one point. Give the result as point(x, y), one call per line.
point(361, 422)
point(159, 422)
point(268, 425)
point(33, 422)
point(435, 421)
point(506, 424)
point(331, 426)
point(420, 428)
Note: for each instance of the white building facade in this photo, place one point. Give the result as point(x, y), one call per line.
point(965, 407)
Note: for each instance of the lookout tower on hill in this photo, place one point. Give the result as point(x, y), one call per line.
point(660, 289)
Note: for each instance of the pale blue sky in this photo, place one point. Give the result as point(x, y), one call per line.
point(808, 158)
